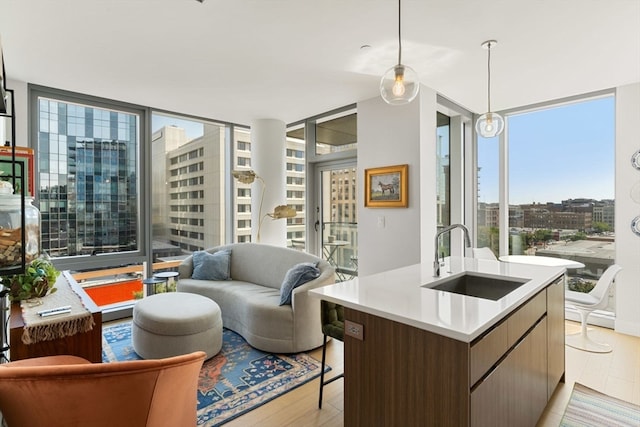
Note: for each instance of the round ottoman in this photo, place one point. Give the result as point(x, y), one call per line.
point(174, 323)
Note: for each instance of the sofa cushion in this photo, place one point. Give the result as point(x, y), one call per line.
point(212, 266)
point(297, 275)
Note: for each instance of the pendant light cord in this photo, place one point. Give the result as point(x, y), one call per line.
point(399, 33)
point(489, 77)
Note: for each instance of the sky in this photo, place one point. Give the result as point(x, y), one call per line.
point(560, 153)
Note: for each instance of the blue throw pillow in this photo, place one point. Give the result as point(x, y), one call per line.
point(297, 275)
point(215, 266)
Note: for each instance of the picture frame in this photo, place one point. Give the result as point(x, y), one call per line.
point(386, 187)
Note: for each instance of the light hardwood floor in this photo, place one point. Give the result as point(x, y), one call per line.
point(616, 374)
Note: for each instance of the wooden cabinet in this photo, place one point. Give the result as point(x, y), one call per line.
point(515, 392)
point(390, 378)
point(85, 344)
point(555, 335)
point(486, 350)
point(397, 374)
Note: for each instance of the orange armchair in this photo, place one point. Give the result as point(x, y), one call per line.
point(69, 391)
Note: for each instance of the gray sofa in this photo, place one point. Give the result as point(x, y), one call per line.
point(249, 302)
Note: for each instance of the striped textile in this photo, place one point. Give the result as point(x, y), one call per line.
point(590, 408)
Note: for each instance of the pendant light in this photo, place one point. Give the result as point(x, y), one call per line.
point(489, 124)
point(399, 85)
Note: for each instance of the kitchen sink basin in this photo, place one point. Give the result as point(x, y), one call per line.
point(474, 285)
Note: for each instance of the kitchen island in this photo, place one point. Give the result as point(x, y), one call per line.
point(420, 356)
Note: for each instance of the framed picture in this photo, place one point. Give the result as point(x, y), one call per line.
point(386, 187)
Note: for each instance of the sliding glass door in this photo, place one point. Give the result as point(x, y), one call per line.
point(337, 221)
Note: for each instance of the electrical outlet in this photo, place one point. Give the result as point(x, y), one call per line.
point(354, 330)
point(381, 221)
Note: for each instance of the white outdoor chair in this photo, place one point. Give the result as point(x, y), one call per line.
point(586, 303)
point(484, 253)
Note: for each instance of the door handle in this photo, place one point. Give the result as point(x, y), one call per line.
point(316, 224)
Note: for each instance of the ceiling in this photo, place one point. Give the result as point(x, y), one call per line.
point(241, 60)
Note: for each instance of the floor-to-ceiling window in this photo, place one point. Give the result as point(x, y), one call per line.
point(488, 194)
point(296, 185)
point(443, 182)
point(452, 133)
point(561, 186)
point(89, 183)
point(332, 218)
point(559, 163)
point(188, 177)
point(95, 182)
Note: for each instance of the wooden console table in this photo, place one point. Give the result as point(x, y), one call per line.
point(86, 344)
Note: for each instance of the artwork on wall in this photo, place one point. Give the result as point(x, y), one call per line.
point(386, 187)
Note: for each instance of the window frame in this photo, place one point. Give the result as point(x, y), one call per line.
point(143, 230)
point(601, 318)
point(503, 163)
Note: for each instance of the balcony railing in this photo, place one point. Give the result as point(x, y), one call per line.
point(119, 285)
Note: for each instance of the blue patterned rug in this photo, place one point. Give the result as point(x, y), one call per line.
point(237, 380)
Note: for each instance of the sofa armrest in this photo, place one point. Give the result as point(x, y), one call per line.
point(306, 311)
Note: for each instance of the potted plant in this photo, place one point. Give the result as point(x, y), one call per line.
point(38, 280)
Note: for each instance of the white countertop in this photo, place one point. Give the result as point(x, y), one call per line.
point(399, 295)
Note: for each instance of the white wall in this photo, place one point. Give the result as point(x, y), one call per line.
point(627, 244)
point(388, 136)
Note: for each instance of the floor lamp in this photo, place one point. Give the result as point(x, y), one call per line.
point(279, 212)
point(248, 177)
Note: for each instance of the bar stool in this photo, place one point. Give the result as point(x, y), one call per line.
point(332, 320)
point(585, 304)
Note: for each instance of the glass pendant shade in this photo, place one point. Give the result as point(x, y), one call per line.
point(489, 125)
point(399, 85)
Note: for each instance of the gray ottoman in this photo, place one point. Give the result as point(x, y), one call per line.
point(174, 323)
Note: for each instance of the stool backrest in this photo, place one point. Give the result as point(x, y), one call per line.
point(601, 289)
point(484, 253)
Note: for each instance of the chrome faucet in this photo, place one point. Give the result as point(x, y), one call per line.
point(436, 263)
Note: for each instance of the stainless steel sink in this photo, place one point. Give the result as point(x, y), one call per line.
point(479, 286)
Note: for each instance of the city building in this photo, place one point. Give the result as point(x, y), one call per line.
point(88, 183)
